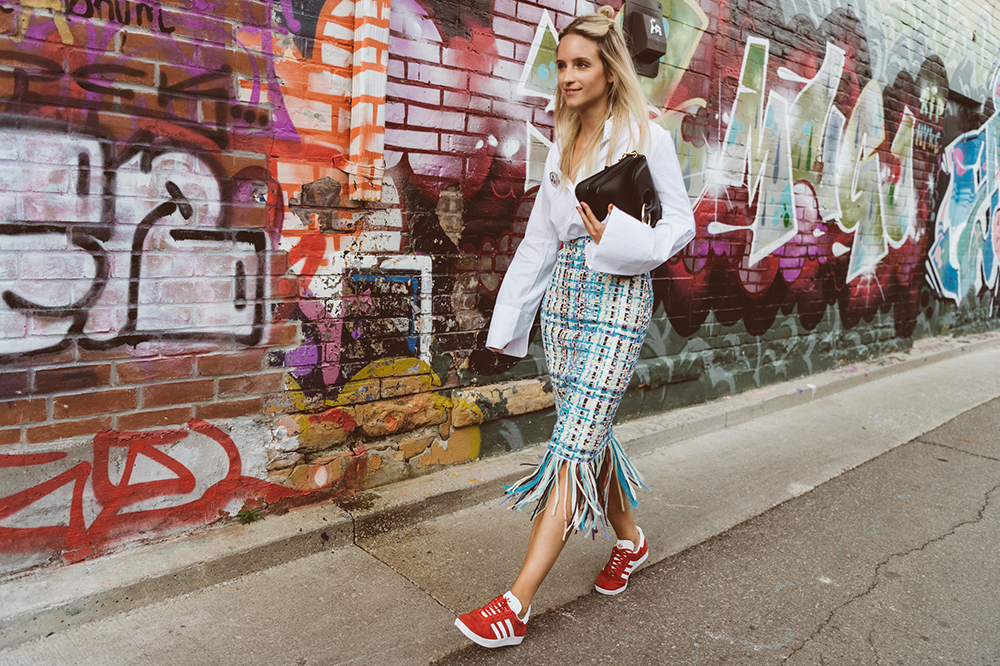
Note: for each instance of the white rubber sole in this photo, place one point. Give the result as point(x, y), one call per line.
point(622, 588)
point(487, 642)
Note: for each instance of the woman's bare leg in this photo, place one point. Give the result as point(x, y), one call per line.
point(619, 511)
point(548, 536)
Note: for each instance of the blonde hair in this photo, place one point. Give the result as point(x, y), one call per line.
point(625, 97)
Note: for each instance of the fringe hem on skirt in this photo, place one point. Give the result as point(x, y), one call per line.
point(586, 501)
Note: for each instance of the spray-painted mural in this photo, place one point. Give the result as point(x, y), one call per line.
point(81, 508)
point(154, 159)
point(278, 228)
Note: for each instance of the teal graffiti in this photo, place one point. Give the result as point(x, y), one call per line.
point(963, 257)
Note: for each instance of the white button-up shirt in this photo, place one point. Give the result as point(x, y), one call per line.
point(627, 247)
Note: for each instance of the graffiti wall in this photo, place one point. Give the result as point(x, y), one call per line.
point(249, 249)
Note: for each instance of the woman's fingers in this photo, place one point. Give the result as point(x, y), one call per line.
point(594, 227)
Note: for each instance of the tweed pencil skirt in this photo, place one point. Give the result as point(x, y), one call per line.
point(593, 327)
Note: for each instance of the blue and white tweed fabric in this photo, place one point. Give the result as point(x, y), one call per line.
point(593, 327)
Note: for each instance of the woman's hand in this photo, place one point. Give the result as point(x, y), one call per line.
point(594, 227)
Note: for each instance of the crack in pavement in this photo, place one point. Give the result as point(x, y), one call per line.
point(958, 450)
point(357, 544)
point(871, 643)
point(403, 576)
point(878, 568)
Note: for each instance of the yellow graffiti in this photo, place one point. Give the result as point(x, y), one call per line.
point(27, 11)
point(409, 375)
point(461, 446)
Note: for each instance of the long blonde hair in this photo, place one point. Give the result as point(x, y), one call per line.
point(625, 97)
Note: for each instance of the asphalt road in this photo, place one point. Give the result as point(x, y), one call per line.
point(894, 562)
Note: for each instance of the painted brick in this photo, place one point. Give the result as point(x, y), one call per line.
point(157, 369)
point(408, 49)
point(8, 22)
point(505, 49)
point(16, 412)
point(563, 12)
point(409, 139)
point(65, 429)
point(160, 418)
point(356, 392)
point(543, 120)
point(469, 60)
point(512, 110)
point(282, 334)
point(335, 54)
point(248, 12)
point(289, 402)
point(513, 30)
point(59, 380)
point(483, 84)
point(8, 266)
point(386, 417)
point(460, 100)
point(481, 126)
point(394, 386)
point(154, 46)
point(88, 404)
point(310, 114)
point(418, 116)
point(530, 13)
point(251, 384)
point(462, 446)
point(396, 112)
point(53, 266)
point(229, 409)
point(324, 430)
point(505, 7)
point(438, 76)
point(205, 29)
point(13, 384)
point(418, 443)
point(177, 393)
point(508, 69)
point(418, 94)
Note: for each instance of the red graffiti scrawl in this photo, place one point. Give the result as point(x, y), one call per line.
point(118, 520)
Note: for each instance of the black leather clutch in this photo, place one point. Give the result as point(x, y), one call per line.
point(628, 185)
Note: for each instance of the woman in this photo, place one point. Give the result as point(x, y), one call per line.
point(594, 277)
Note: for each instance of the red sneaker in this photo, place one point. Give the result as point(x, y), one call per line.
point(496, 624)
point(625, 557)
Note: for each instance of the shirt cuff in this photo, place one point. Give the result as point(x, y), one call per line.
point(626, 246)
point(503, 327)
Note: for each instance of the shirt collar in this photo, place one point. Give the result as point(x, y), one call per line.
point(607, 127)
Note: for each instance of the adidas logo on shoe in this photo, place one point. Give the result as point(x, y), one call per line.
point(625, 557)
point(496, 624)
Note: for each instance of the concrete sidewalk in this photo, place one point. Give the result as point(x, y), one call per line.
point(381, 581)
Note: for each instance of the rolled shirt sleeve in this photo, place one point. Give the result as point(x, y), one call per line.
point(526, 278)
point(629, 247)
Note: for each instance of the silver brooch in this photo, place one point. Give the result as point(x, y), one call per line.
point(554, 178)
